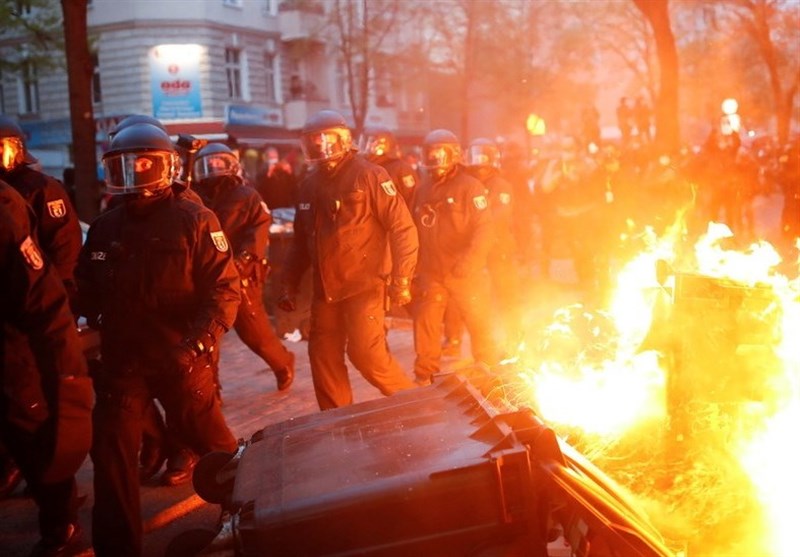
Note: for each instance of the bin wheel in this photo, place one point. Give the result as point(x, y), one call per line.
point(206, 481)
point(190, 543)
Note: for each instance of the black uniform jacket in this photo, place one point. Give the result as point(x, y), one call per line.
point(403, 175)
point(454, 224)
point(501, 206)
point(244, 217)
point(343, 224)
point(57, 228)
point(156, 279)
point(35, 312)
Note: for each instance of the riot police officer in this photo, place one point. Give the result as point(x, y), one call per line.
point(157, 278)
point(58, 230)
point(348, 212)
point(455, 237)
point(379, 145)
point(245, 219)
point(483, 162)
point(46, 394)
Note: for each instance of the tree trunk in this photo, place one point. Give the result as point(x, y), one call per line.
point(666, 110)
point(79, 70)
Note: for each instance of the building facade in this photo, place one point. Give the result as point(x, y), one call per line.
point(249, 72)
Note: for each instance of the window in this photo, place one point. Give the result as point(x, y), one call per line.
point(97, 91)
point(28, 89)
point(341, 84)
point(271, 7)
point(233, 71)
point(271, 76)
point(23, 7)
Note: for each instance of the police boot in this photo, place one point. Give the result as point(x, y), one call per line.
point(179, 468)
point(68, 542)
point(451, 348)
point(285, 375)
point(151, 458)
point(11, 478)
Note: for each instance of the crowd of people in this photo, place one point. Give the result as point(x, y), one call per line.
point(180, 255)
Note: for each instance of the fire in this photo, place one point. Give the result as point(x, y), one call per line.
point(731, 487)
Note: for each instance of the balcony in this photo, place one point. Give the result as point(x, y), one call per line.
point(300, 20)
point(297, 111)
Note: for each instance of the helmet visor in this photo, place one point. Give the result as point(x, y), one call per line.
point(481, 155)
point(439, 157)
point(12, 152)
point(137, 172)
point(217, 164)
point(376, 145)
point(325, 145)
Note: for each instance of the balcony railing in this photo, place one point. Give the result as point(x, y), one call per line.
point(301, 21)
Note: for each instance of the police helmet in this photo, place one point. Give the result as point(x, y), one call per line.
point(325, 137)
point(215, 159)
point(483, 153)
point(12, 145)
point(135, 119)
point(441, 151)
point(141, 159)
point(378, 142)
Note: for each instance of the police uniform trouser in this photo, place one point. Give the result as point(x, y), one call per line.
point(122, 399)
point(31, 446)
point(57, 502)
point(356, 325)
point(255, 329)
point(471, 296)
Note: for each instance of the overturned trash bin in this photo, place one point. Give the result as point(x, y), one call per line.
point(434, 471)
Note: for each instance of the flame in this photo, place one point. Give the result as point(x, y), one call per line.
point(734, 490)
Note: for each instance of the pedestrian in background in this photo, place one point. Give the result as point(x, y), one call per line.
point(355, 232)
point(156, 277)
point(277, 184)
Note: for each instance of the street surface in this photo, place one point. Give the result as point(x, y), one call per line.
point(251, 402)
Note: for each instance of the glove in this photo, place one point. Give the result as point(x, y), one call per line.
point(245, 264)
point(186, 353)
point(184, 357)
point(461, 269)
point(400, 291)
point(287, 301)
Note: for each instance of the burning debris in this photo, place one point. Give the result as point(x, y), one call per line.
point(684, 391)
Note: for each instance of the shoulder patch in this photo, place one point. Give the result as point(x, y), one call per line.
point(33, 258)
point(57, 208)
point(480, 202)
point(388, 187)
point(409, 181)
point(505, 198)
point(220, 241)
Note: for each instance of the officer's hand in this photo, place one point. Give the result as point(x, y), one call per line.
point(461, 269)
point(287, 301)
point(245, 264)
point(184, 357)
point(400, 291)
point(186, 353)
